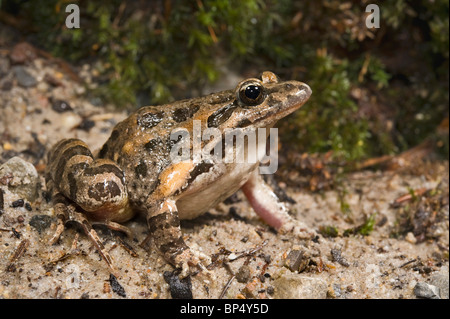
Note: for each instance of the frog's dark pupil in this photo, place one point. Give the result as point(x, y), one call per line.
point(252, 92)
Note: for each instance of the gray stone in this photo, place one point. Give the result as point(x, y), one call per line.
point(424, 290)
point(296, 260)
point(295, 286)
point(20, 177)
point(24, 78)
point(442, 282)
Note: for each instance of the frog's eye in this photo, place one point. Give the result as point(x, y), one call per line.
point(251, 94)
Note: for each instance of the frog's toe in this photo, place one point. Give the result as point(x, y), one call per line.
point(68, 213)
point(58, 232)
point(187, 262)
point(191, 261)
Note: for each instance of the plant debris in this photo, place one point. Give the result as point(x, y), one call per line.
point(17, 254)
point(311, 171)
point(420, 211)
point(2, 202)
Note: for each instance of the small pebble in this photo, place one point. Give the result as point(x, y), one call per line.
point(427, 291)
point(179, 289)
point(20, 177)
point(116, 286)
point(243, 274)
point(60, 106)
point(7, 146)
point(251, 289)
point(296, 261)
point(24, 78)
point(22, 52)
point(86, 125)
point(244, 239)
point(411, 238)
point(17, 203)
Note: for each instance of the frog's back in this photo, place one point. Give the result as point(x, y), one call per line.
point(138, 145)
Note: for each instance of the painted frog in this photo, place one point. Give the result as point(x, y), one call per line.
point(133, 171)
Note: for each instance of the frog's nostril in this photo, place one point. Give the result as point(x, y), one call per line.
point(305, 89)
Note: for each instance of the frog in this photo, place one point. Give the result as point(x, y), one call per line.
point(133, 172)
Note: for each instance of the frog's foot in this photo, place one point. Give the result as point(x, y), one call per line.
point(68, 213)
point(191, 261)
point(273, 211)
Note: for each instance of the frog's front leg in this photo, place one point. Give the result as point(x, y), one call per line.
point(164, 226)
point(164, 222)
point(274, 212)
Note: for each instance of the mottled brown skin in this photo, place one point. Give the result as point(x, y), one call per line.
point(134, 173)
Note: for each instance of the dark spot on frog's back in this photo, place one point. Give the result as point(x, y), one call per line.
point(184, 113)
point(104, 168)
point(141, 169)
point(100, 191)
point(150, 119)
point(153, 144)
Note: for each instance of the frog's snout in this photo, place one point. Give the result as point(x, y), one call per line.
point(304, 90)
point(299, 95)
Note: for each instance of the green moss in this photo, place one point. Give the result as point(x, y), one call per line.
point(365, 229)
point(329, 231)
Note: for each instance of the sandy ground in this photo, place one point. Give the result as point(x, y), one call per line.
point(251, 259)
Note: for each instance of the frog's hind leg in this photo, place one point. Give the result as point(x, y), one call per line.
point(274, 212)
point(80, 183)
point(97, 186)
point(116, 227)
